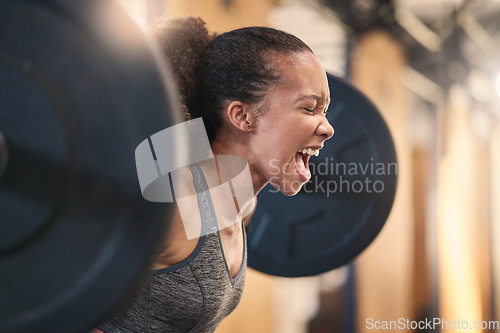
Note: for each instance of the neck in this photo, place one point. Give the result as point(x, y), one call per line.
point(224, 145)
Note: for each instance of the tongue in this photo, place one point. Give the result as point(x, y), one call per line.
point(302, 169)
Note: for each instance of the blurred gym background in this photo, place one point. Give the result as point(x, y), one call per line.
point(433, 69)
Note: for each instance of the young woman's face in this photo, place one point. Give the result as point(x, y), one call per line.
point(294, 125)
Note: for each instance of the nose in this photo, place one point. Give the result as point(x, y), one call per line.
point(324, 129)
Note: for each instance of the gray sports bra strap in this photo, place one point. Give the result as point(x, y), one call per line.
point(207, 211)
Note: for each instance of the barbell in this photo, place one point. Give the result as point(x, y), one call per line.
point(80, 89)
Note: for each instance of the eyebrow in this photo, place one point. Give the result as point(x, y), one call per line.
point(316, 97)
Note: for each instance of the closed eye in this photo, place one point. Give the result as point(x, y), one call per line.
point(324, 113)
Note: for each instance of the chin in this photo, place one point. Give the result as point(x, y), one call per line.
point(290, 193)
point(287, 188)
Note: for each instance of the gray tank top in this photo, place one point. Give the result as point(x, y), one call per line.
point(193, 295)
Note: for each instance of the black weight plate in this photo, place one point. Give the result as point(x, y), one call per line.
point(339, 212)
point(76, 236)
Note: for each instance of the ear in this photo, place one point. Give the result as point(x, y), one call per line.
point(241, 116)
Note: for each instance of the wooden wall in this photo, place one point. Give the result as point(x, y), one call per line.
point(383, 271)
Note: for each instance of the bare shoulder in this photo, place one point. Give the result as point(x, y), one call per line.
point(185, 226)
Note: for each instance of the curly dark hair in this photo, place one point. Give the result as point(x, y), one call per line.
point(211, 69)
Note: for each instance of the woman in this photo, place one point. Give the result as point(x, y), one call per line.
point(262, 95)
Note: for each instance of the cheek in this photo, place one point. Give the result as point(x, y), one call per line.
point(275, 143)
point(280, 147)
point(279, 138)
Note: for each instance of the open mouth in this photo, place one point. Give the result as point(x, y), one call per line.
point(302, 163)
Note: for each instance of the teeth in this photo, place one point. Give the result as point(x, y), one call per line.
point(309, 151)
